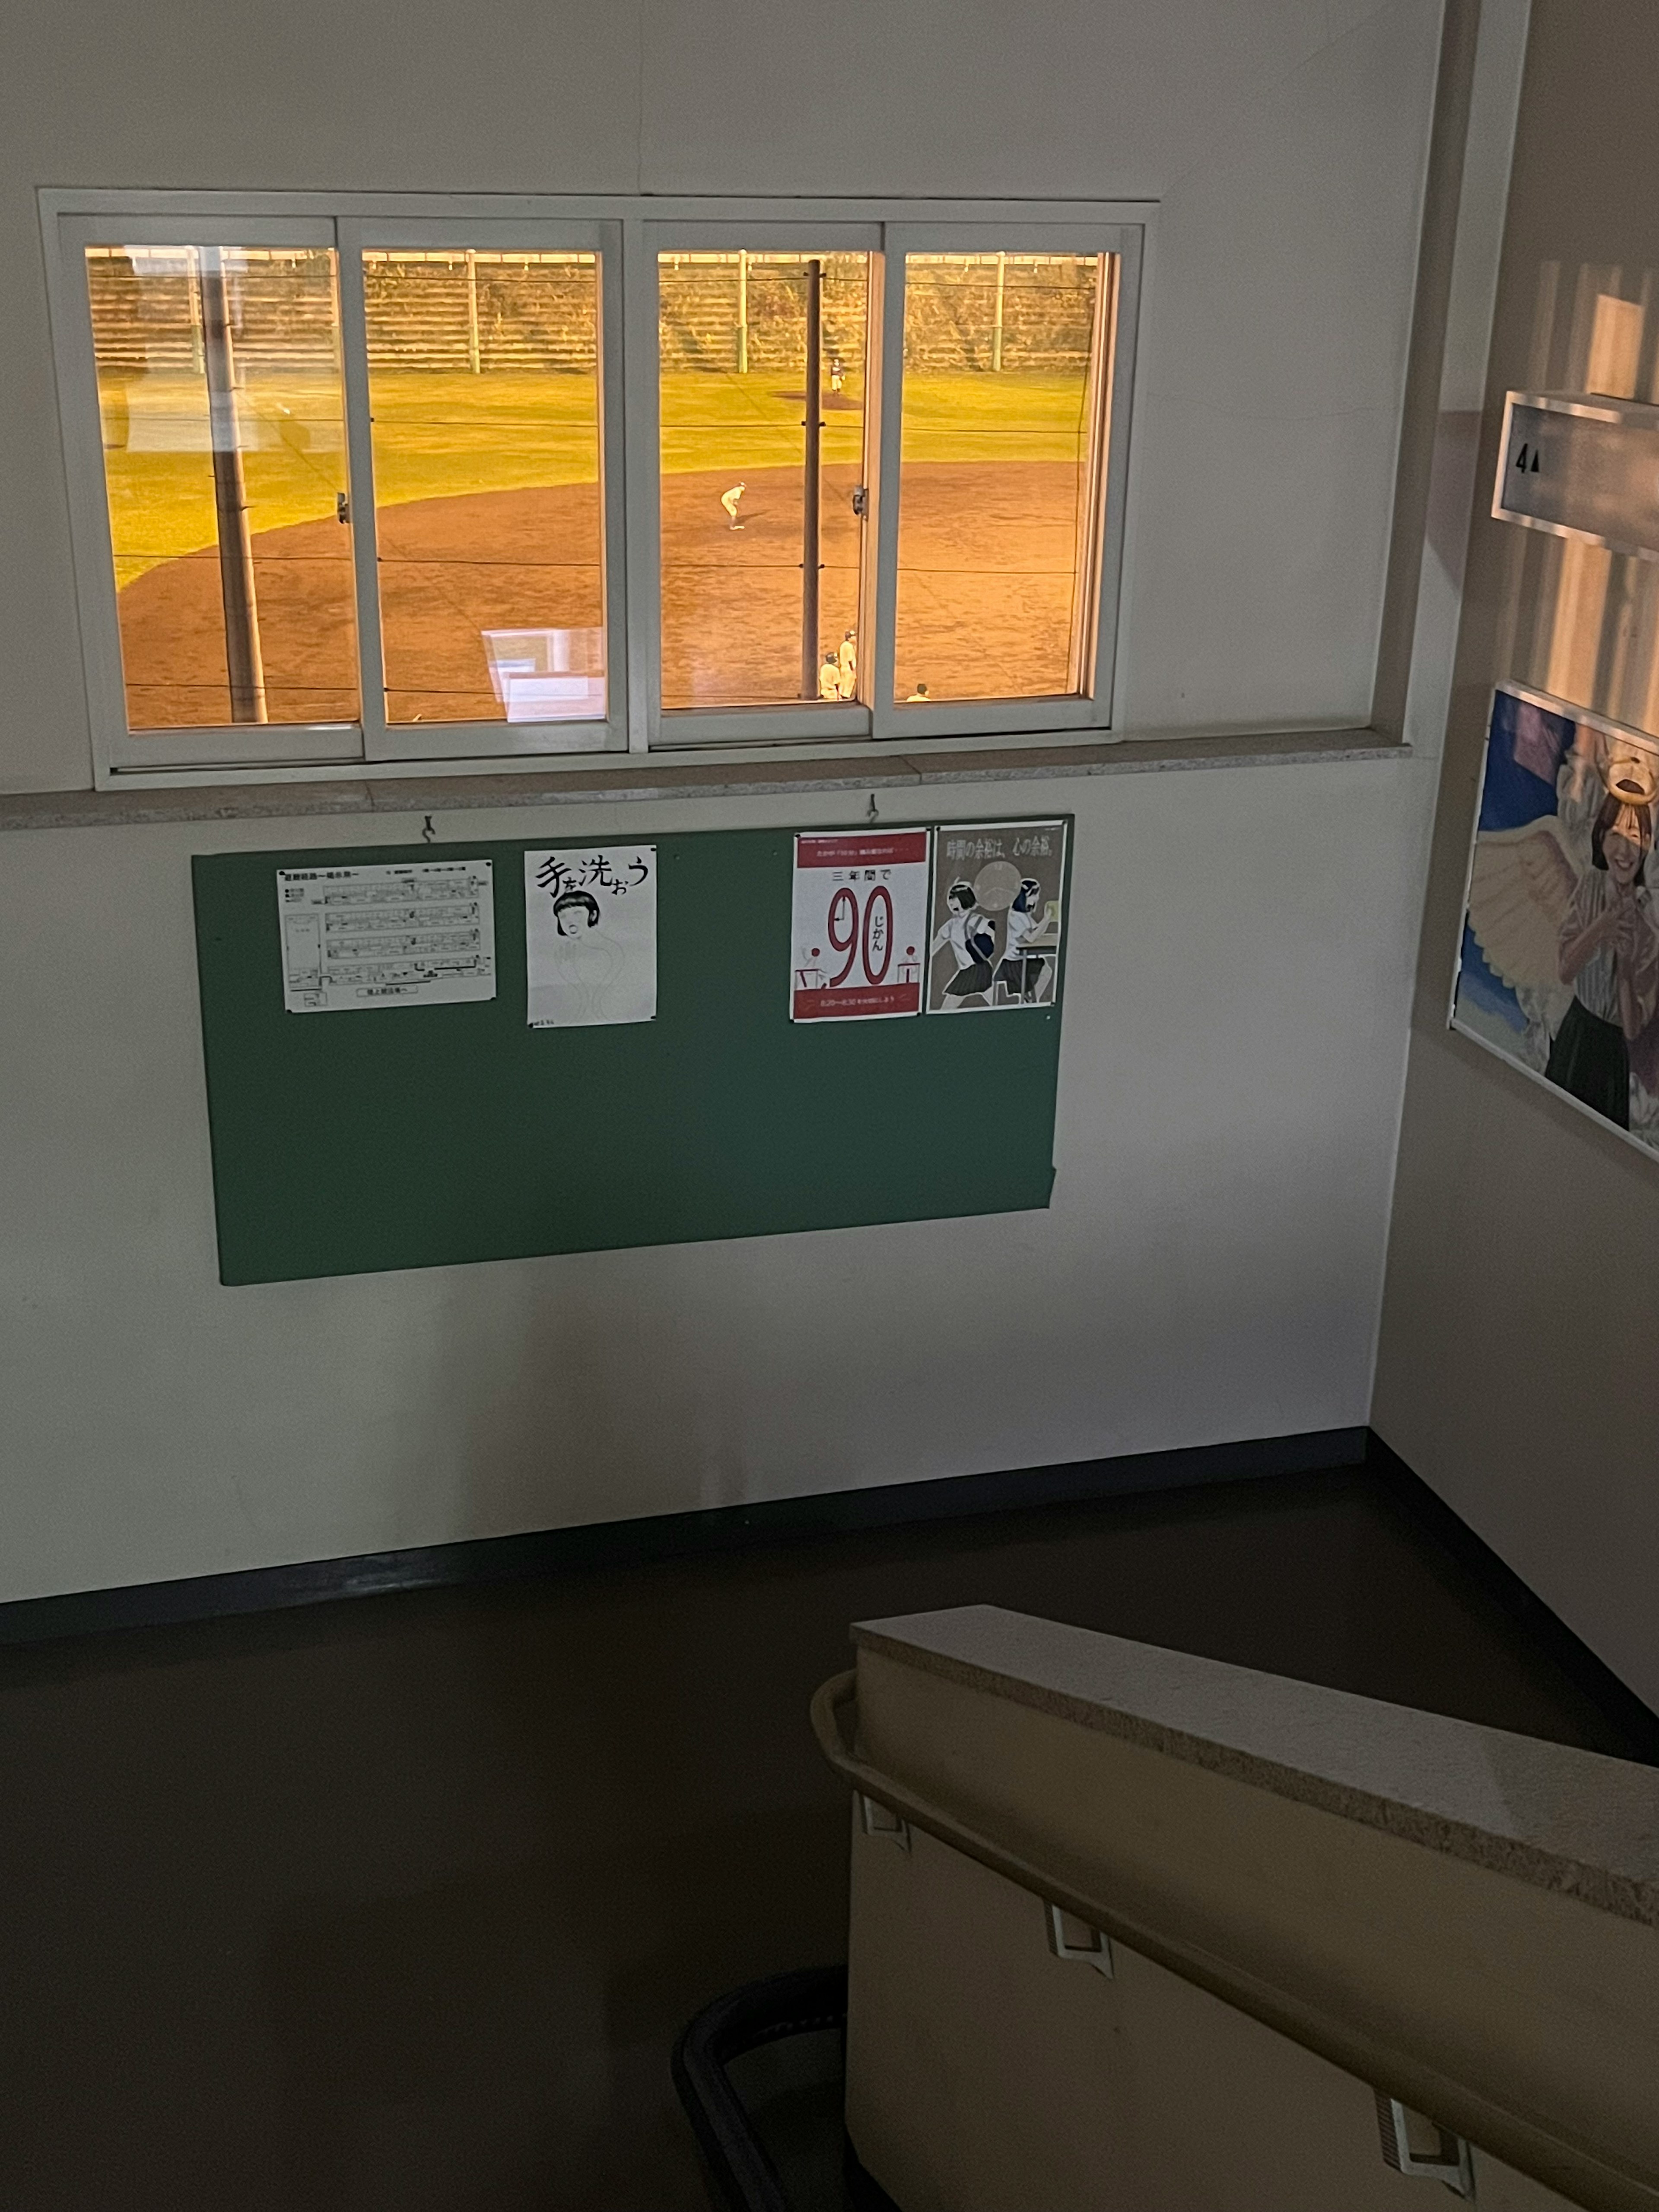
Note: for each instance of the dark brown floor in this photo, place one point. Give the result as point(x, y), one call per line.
point(400, 1902)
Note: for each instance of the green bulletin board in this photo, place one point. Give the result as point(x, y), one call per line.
point(418, 1136)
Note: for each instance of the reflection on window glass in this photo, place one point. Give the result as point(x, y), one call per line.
point(224, 460)
point(763, 505)
point(1581, 621)
point(483, 378)
point(1005, 368)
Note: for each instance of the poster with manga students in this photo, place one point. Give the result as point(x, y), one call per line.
point(999, 896)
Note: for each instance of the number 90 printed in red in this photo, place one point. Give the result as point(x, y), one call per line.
point(860, 918)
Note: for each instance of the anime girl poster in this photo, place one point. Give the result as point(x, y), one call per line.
point(1559, 966)
point(998, 895)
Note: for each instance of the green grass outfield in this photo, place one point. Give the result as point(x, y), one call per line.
point(441, 436)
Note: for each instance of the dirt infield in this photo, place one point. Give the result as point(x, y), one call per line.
point(732, 598)
point(986, 554)
point(985, 593)
point(173, 633)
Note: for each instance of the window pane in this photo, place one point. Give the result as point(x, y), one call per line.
point(484, 389)
point(1000, 494)
point(762, 543)
point(224, 461)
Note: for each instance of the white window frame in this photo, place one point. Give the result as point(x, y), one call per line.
point(439, 741)
point(957, 718)
point(285, 744)
point(627, 232)
point(800, 719)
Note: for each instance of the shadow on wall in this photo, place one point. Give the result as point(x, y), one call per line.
point(580, 1389)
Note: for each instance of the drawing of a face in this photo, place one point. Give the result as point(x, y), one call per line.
point(1624, 857)
point(1623, 838)
point(576, 912)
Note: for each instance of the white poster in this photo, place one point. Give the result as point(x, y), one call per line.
point(590, 935)
point(861, 924)
point(398, 933)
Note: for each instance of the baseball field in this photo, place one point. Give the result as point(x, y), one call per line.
point(488, 518)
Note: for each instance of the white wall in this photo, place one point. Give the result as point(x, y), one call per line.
point(1211, 1266)
point(1516, 1366)
point(1285, 140)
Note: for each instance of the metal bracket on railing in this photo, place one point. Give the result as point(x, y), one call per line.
point(1070, 1938)
point(1449, 2161)
point(879, 1821)
point(1525, 2142)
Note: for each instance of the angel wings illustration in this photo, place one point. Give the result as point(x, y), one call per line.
point(1528, 906)
point(1520, 890)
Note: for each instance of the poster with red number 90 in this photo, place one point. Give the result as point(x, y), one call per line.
point(860, 923)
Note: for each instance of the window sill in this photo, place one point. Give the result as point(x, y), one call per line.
point(628, 777)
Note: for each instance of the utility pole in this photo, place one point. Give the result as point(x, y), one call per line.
point(242, 656)
point(743, 313)
point(196, 361)
point(996, 332)
point(814, 427)
point(473, 358)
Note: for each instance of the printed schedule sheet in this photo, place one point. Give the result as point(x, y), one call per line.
point(413, 933)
